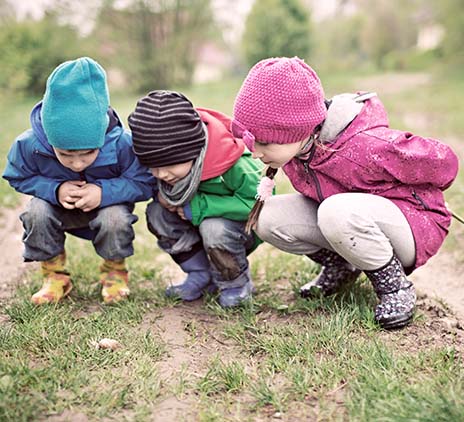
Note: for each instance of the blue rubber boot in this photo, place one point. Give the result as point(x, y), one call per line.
point(198, 279)
point(228, 298)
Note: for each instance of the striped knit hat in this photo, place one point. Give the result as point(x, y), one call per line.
point(166, 129)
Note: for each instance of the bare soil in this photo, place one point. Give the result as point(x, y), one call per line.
point(11, 248)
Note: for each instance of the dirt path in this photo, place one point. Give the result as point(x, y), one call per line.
point(11, 247)
point(192, 339)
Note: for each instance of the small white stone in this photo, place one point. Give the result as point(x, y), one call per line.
point(106, 343)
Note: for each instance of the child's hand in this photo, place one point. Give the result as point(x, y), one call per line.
point(68, 193)
point(90, 197)
point(165, 204)
point(180, 211)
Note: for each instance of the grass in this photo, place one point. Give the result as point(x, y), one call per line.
point(15, 120)
point(278, 357)
point(48, 356)
point(279, 354)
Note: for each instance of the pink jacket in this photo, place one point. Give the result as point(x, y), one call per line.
point(370, 157)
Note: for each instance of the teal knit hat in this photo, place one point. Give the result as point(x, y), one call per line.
point(75, 105)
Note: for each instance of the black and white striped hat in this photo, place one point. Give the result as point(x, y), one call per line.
point(166, 129)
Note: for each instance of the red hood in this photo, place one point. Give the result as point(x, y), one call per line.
point(223, 149)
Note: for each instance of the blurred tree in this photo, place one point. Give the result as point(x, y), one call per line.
point(389, 27)
point(450, 15)
point(154, 41)
point(6, 11)
point(276, 28)
point(30, 50)
point(338, 42)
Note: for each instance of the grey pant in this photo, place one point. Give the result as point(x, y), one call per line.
point(225, 242)
point(110, 229)
point(364, 229)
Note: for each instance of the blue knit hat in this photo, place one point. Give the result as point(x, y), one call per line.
point(75, 105)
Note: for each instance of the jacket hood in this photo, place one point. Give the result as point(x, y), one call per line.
point(223, 149)
point(342, 110)
point(371, 116)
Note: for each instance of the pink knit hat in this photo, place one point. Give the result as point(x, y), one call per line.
point(281, 101)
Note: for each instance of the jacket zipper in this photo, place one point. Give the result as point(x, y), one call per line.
point(312, 173)
point(420, 200)
point(43, 154)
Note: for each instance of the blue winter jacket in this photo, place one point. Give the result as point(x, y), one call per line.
point(33, 168)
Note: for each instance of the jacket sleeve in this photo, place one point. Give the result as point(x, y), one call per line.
point(415, 160)
point(241, 180)
point(24, 176)
point(134, 183)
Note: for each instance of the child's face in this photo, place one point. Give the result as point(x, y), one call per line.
point(76, 160)
point(276, 155)
point(172, 174)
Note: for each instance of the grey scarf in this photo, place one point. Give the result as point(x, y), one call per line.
point(184, 190)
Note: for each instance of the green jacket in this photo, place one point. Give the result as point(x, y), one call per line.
point(231, 195)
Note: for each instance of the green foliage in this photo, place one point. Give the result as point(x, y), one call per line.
point(388, 29)
point(30, 50)
point(14, 119)
point(415, 60)
point(383, 37)
point(339, 43)
point(449, 13)
point(155, 43)
point(276, 28)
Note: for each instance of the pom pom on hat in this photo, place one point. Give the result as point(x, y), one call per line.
point(281, 101)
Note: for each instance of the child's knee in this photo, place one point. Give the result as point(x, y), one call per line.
point(37, 213)
point(213, 231)
point(223, 242)
point(116, 218)
point(159, 219)
point(338, 216)
point(267, 225)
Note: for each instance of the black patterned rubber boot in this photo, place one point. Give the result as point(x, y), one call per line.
point(335, 273)
point(396, 294)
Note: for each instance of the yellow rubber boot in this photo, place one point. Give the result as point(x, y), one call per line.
point(57, 282)
point(115, 281)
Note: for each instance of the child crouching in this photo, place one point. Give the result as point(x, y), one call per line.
point(77, 163)
point(207, 187)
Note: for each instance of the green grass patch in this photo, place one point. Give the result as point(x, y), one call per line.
point(277, 354)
